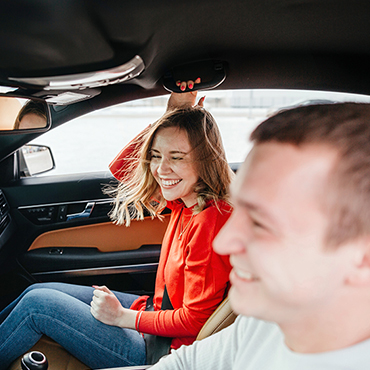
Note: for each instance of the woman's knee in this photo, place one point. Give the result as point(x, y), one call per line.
point(36, 286)
point(39, 299)
point(35, 294)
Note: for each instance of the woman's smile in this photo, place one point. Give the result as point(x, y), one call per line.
point(169, 183)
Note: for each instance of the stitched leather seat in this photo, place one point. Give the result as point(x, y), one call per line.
point(60, 359)
point(220, 319)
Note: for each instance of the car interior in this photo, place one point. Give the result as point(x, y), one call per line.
point(68, 59)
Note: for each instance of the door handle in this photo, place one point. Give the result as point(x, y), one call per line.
point(84, 214)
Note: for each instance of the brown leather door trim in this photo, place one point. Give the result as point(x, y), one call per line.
point(106, 237)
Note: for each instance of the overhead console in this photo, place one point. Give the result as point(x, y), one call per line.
point(211, 72)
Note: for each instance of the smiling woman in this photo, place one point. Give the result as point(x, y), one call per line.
point(191, 131)
point(180, 162)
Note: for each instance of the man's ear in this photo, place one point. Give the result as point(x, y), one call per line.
point(360, 274)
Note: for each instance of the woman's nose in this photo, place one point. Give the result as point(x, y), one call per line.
point(164, 166)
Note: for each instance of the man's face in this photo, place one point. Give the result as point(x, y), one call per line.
point(275, 237)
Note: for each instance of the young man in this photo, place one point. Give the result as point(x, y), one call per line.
point(299, 244)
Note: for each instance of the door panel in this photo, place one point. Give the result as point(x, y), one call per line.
point(106, 237)
point(47, 245)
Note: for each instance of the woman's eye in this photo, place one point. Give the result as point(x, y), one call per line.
point(177, 158)
point(155, 156)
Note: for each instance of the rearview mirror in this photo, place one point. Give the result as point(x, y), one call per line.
point(17, 113)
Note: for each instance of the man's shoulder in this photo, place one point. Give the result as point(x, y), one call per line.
point(250, 327)
point(261, 343)
point(249, 332)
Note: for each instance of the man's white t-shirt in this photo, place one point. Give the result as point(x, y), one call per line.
point(251, 344)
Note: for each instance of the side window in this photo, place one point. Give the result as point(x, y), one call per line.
point(89, 143)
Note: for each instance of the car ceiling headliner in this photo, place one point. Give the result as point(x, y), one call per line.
point(42, 37)
point(301, 44)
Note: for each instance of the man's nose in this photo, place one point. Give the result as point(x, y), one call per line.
point(230, 238)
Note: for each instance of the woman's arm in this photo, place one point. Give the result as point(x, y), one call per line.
point(184, 100)
point(121, 165)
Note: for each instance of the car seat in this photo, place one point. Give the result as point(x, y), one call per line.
point(60, 359)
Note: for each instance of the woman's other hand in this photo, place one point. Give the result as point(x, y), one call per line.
point(106, 308)
point(184, 100)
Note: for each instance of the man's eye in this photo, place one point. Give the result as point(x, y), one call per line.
point(257, 224)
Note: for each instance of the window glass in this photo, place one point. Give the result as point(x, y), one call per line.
point(89, 143)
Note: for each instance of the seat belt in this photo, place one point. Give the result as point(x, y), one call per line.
point(157, 346)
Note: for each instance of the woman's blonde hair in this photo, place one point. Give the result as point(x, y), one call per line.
point(140, 191)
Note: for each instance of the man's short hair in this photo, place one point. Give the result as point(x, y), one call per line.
point(346, 128)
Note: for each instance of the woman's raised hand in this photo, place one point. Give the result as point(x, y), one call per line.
point(106, 308)
point(184, 100)
point(190, 84)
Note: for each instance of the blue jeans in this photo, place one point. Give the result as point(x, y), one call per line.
point(62, 312)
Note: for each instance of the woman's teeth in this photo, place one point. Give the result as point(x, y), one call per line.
point(170, 182)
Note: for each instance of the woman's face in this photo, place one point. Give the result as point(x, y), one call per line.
point(172, 165)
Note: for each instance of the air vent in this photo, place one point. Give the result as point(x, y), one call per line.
point(4, 213)
point(4, 223)
point(4, 209)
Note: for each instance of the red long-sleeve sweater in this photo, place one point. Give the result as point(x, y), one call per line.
point(196, 277)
